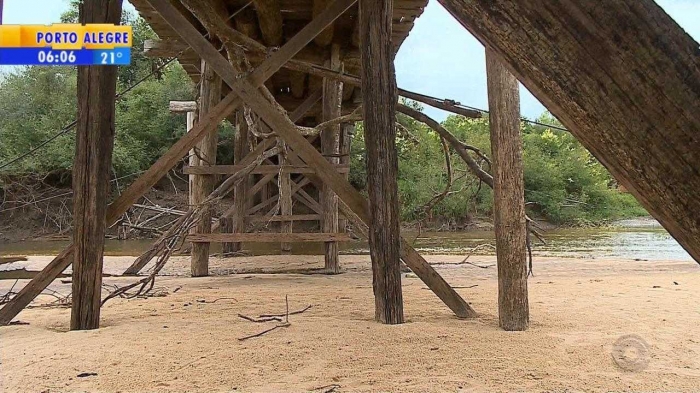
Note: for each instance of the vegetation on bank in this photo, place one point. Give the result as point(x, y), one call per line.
point(564, 183)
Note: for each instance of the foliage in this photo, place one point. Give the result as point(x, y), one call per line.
point(564, 183)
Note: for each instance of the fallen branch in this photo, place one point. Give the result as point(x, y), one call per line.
point(283, 323)
point(174, 237)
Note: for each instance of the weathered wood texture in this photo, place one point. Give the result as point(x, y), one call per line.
point(272, 22)
point(240, 192)
point(203, 185)
point(94, 142)
point(285, 201)
point(379, 100)
point(144, 182)
point(508, 195)
point(330, 147)
point(269, 237)
point(346, 132)
point(286, 129)
point(624, 78)
point(182, 107)
point(267, 169)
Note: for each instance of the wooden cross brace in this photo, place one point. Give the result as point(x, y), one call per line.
point(286, 130)
point(205, 125)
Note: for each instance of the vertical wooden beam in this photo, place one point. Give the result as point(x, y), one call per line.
point(508, 195)
point(330, 144)
point(346, 131)
point(192, 160)
point(203, 185)
point(240, 192)
point(94, 142)
point(285, 201)
point(270, 21)
point(379, 106)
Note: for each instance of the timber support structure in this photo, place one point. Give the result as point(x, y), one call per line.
point(508, 195)
point(624, 79)
point(94, 142)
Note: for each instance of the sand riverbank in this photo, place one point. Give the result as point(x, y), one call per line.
point(188, 340)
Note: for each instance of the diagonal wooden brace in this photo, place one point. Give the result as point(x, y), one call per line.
point(271, 65)
point(286, 130)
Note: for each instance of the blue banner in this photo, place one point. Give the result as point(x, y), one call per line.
point(81, 57)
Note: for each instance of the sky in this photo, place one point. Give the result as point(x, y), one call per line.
point(440, 58)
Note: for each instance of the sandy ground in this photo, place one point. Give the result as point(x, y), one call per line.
point(187, 341)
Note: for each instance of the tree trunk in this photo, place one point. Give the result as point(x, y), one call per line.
point(379, 99)
point(330, 144)
point(508, 195)
point(624, 78)
point(203, 185)
point(94, 142)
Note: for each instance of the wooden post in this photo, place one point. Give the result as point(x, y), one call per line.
point(203, 185)
point(508, 195)
point(94, 142)
point(240, 192)
point(173, 156)
point(330, 144)
point(192, 160)
point(379, 101)
point(285, 200)
point(346, 131)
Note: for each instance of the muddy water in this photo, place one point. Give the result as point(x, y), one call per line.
point(635, 239)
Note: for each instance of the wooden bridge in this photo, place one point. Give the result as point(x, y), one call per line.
point(624, 79)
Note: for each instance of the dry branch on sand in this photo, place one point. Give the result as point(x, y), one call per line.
point(174, 237)
point(282, 322)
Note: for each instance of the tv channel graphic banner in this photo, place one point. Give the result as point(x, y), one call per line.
point(65, 44)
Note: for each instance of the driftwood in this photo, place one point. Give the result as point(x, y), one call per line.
point(282, 323)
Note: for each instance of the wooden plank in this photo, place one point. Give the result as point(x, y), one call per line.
point(163, 48)
point(94, 143)
point(508, 195)
point(286, 129)
point(379, 100)
point(330, 146)
point(260, 170)
point(269, 237)
point(278, 218)
point(139, 187)
point(182, 106)
point(203, 185)
point(624, 80)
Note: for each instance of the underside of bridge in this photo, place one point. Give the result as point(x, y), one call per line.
point(291, 74)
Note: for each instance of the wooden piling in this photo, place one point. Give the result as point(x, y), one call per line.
point(346, 132)
point(240, 192)
point(330, 145)
point(379, 99)
point(285, 201)
point(203, 185)
point(508, 195)
point(97, 87)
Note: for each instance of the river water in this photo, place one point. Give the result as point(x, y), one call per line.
point(642, 239)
